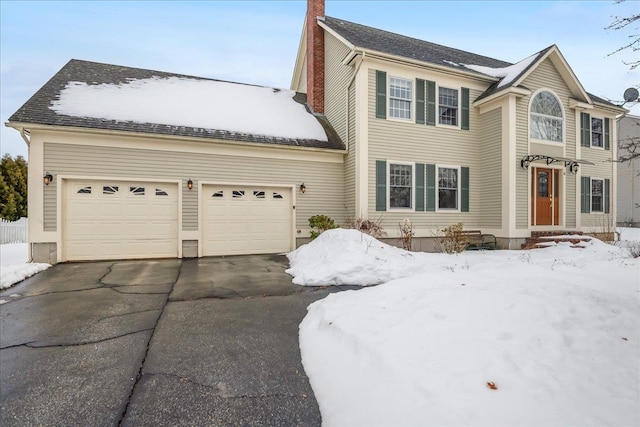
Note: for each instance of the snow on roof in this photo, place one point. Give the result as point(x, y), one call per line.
point(507, 74)
point(197, 103)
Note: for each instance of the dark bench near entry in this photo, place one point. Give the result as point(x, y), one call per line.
point(477, 241)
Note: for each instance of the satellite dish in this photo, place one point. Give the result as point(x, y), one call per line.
point(631, 94)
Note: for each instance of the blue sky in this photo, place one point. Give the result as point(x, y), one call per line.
point(257, 41)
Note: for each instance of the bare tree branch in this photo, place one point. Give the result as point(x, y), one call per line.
point(619, 23)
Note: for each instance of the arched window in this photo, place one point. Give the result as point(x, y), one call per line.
point(546, 119)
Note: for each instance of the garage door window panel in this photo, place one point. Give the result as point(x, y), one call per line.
point(137, 191)
point(110, 189)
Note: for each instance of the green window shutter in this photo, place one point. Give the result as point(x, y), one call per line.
point(420, 101)
point(607, 144)
point(431, 103)
point(607, 206)
point(585, 194)
point(381, 94)
point(419, 187)
point(465, 108)
point(431, 187)
point(381, 185)
point(585, 130)
point(464, 189)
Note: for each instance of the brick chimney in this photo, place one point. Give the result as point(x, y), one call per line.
point(315, 56)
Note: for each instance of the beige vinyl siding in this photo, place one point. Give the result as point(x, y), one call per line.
point(489, 174)
point(337, 78)
point(603, 169)
point(545, 76)
point(324, 181)
point(410, 142)
point(350, 159)
point(628, 174)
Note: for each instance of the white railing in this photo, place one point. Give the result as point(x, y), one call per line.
point(13, 231)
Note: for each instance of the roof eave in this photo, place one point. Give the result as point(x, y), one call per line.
point(369, 53)
point(109, 132)
point(511, 90)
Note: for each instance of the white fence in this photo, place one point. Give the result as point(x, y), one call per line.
point(13, 231)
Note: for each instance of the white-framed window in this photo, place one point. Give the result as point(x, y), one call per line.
point(400, 98)
point(400, 185)
point(546, 120)
point(448, 188)
point(597, 132)
point(448, 106)
point(597, 195)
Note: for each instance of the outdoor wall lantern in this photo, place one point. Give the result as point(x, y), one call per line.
point(573, 167)
point(189, 184)
point(48, 178)
point(303, 188)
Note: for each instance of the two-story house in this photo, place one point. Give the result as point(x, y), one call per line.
point(438, 135)
point(132, 163)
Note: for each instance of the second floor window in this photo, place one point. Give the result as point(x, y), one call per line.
point(596, 133)
point(400, 97)
point(448, 106)
point(546, 118)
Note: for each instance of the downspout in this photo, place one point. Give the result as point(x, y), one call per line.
point(30, 245)
point(351, 80)
point(24, 137)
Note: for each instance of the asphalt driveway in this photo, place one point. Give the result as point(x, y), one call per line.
point(209, 341)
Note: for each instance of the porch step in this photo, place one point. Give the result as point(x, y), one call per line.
point(543, 239)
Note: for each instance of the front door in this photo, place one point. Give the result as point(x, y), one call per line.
point(545, 197)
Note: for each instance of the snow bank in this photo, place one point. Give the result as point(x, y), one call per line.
point(556, 331)
point(349, 257)
point(14, 266)
point(197, 103)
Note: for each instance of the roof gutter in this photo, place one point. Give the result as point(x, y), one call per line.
point(20, 127)
point(109, 132)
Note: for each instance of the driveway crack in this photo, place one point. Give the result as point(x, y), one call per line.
point(34, 345)
point(146, 353)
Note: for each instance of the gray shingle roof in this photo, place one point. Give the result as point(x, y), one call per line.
point(36, 110)
point(408, 47)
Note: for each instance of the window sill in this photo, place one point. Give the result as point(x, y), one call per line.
point(546, 142)
point(440, 125)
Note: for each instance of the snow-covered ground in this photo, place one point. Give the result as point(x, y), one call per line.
point(15, 266)
point(529, 338)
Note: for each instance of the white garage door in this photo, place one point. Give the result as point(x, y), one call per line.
point(119, 220)
point(246, 220)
